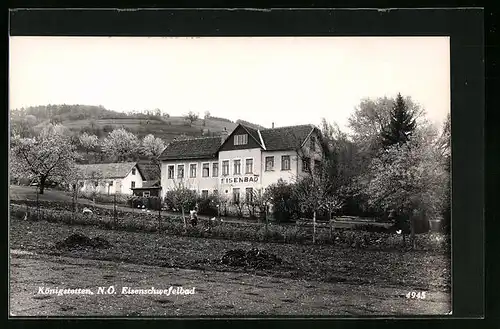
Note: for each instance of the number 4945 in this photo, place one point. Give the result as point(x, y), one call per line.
point(416, 295)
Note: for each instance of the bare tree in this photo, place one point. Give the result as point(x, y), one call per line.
point(318, 192)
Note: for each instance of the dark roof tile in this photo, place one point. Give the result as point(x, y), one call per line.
point(285, 138)
point(197, 148)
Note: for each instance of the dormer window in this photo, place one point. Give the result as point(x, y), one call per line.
point(241, 139)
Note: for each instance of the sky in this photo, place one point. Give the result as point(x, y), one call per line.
point(285, 80)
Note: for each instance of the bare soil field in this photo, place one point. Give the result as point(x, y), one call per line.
point(319, 280)
point(216, 293)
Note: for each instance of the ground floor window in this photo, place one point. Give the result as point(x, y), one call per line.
point(204, 193)
point(146, 194)
point(236, 195)
point(249, 194)
point(132, 184)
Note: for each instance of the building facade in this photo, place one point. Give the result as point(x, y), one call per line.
point(246, 161)
point(109, 178)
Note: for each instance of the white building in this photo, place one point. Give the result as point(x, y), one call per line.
point(245, 161)
point(110, 178)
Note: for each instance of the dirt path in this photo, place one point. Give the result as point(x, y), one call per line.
point(216, 293)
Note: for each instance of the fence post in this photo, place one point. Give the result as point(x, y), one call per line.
point(115, 219)
point(314, 227)
point(159, 215)
point(331, 229)
point(37, 204)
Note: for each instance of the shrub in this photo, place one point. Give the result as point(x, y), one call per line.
point(285, 205)
point(208, 206)
point(105, 198)
point(180, 197)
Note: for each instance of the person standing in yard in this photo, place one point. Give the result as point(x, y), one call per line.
point(194, 216)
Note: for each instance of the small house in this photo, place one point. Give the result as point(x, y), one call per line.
point(150, 188)
point(110, 178)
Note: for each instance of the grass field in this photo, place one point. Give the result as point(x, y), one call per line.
point(165, 128)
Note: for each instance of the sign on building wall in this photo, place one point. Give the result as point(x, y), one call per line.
point(246, 179)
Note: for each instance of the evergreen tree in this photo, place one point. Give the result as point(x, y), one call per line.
point(401, 125)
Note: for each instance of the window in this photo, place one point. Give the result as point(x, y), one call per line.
point(81, 184)
point(206, 170)
point(180, 171)
point(317, 165)
point(248, 166)
point(285, 162)
point(215, 169)
point(269, 163)
point(312, 144)
point(306, 164)
point(170, 172)
point(225, 167)
point(236, 195)
point(132, 184)
point(241, 139)
point(204, 194)
point(237, 167)
point(192, 170)
point(111, 183)
point(146, 194)
point(133, 171)
point(216, 192)
point(249, 194)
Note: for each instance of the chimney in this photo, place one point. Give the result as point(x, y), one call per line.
point(223, 136)
point(273, 125)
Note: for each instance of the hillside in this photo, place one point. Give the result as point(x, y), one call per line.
point(100, 121)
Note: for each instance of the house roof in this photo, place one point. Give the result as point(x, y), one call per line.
point(274, 139)
point(149, 170)
point(285, 138)
point(107, 170)
point(149, 184)
point(253, 133)
point(196, 148)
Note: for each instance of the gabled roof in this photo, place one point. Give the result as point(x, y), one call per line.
point(272, 139)
point(107, 170)
point(285, 138)
point(149, 170)
point(254, 133)
point(196, 148)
